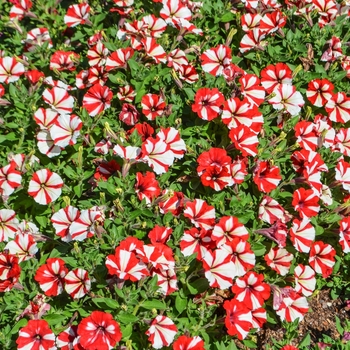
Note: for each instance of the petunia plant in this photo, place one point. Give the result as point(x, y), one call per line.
point(174, 174)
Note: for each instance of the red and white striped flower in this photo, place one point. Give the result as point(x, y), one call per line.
point(10, 70)
point(45, 186)
point(99, 331)
point(287, 98)
point(176, 59)
point(45, 118)
point(97, 54)
point(161, 332)
point(319, 91)
point(293, 306)
point(241, 112)
point(77, 14)
point(23, 246)
point(196, 241)
point(306, 202)
point(273, 76)
point(152, 106)
point(85, 225)
point(36, 335)
point(68, 339)
point(242, 256)
point(188, 343)
point(50, 276)
point(153, 26)
point(46, 144)
point(62, 220)
point(215, 60)
point(266, 176)
point(251, 290)
point(252, 40)
point(59, 100)
point(251, 89)
point(64, 60)
point(188, 74)
point(302, 234)
point(307, 135)
point(172, 138)
point(342, 141)
point(238, 319)
point(66, 130)
point(270, 210)
point(157, 154)
point(147, 187)
point(77, 283)
point(305, 280)
point(154, 50)
point(207, 103)
point(344, 234)
point(10, 179)
point(279, 259)
point(321, 258)
point(167, 280)
point(228, 228)
point(97, 99)
point(272, 21)
point(37, 37)
point(9, 268)
point(173, 11)
point(172, 202)
point(8, 224)
point(126, 265)
point(219, 268)
point(338, 108)
point(244, 140)
point(119, 58)
point(200, 213)
point(342, 173)
point(20, 9)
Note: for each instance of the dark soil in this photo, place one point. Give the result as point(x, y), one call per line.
point(320, 320)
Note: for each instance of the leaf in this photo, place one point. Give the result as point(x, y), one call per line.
point(200, 285)
point(21, 323)
point(127, 318)
point(153, 304)
point(227, 17)
point(306, 341)
point(338, 325)
point(250, 344)
point(126, 331)
point(103, 302)
point(180, 304)
point(259, 249)
point(53, 319)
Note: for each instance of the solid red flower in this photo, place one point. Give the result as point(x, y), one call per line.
point(99, 331)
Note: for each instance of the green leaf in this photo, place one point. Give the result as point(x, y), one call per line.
point(127, 318)
point(103, 302)
point(200, 285)
point(153, 304)
point(306, 341)
point(126, 331)
point(259, 249)
point(54, 319)
point(21, 323)
point(180, 304)
point(227, 17)
point(338, 325)
point(250, 344)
